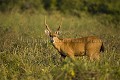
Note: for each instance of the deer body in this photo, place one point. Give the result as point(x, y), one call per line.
point(90, 46)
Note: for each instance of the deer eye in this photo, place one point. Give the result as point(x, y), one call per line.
point(51, 35)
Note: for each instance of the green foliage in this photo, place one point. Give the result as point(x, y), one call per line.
point(9, 5)
point(50, 4)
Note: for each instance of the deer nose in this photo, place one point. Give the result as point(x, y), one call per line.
point(51, 39)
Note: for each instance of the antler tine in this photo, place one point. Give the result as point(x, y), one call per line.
point(60, 25)
point(47, 25)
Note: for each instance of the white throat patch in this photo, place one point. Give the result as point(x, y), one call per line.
point(55, 39)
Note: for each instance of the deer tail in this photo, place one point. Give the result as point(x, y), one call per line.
point(102, 49)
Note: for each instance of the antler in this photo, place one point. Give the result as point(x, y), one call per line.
point(60, 25)
point(47, 25)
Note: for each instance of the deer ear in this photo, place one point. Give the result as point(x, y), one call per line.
point(58, 32)
point(47, 32)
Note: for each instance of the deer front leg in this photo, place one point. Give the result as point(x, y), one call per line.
point(72, 57)
point(62, 57)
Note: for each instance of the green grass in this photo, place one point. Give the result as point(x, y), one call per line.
point(27, 54)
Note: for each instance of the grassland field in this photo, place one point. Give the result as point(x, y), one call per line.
point(27, 54)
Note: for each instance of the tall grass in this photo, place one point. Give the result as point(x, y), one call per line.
point(27, 54)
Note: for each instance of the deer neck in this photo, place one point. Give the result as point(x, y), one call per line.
point(57, 42)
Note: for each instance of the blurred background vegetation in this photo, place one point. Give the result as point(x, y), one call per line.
point(27, 54)
point(65, 6)
point(73, 7)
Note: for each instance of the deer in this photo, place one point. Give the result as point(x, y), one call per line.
point(89, 46)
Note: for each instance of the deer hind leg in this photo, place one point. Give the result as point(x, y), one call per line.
point(94, 56)
point(97, 56)
point(91, 57)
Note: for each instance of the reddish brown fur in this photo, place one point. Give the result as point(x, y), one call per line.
point(89, 46)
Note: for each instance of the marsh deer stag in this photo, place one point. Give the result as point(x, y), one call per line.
point(90, 46)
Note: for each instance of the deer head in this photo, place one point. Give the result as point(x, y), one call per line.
point(51, 34)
